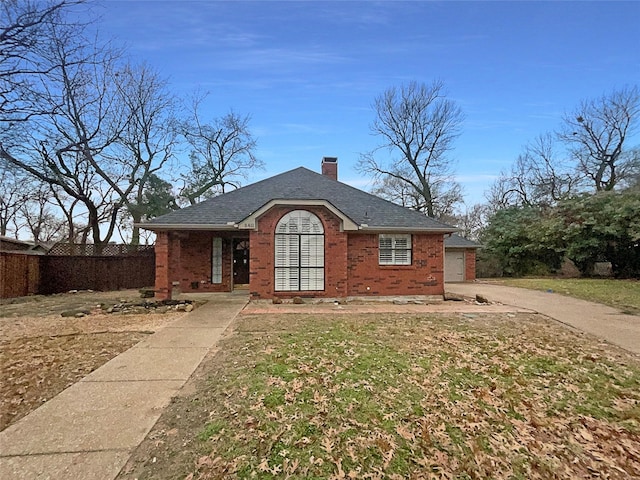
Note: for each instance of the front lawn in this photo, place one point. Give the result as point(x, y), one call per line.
point(394, 396)
point(622, 294)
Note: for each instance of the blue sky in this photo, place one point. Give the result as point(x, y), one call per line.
point(308, 72)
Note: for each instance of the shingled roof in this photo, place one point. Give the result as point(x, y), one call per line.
point(456, 241)
point(227, 211)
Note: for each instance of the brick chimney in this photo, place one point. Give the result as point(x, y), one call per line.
point(330, 167)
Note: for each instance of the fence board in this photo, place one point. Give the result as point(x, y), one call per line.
point(19, 274)
point(106, 250)
point(64, 273)
point(23, 274)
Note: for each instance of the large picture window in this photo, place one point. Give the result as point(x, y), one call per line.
point(394, 250)
point(299, 252)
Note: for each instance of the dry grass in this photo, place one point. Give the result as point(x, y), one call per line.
point(42, 353)
point(396, 396)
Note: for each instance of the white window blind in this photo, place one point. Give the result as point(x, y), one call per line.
point(394, 250)
point(216, 260)
point(299, 252)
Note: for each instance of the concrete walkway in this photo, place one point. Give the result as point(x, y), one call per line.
point(594, 318)
point(90, 429)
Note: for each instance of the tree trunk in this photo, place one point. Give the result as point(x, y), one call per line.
point(135, 234)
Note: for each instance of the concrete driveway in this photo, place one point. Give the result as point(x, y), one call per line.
point(594, 318)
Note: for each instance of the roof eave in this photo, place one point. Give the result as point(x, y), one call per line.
point(187, 226)
point(374, 228)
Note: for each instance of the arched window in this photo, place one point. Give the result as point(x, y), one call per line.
point(299, 254)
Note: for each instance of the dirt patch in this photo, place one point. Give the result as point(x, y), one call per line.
point(470, 306)
point(42, 353)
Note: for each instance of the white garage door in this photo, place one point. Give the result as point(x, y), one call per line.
point(454, 266)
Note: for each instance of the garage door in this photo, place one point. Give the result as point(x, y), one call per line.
point(454, 266)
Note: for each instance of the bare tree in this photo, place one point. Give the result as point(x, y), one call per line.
point(41, 218)
point(13, 193)
point(420, 124)
point(540, 176)
point(147, 141)
point(24, 26)
point(399, 192)
point(75, 227)
point(222, 152)
point(25, 203)
point(471, 221)
point(596, 133)
point(79, 119)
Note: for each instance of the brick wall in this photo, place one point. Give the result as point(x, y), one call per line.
point(163, 266)
point(262, 256)
point(423, 277)
point(351, 262)
point(470, 264)
point(194, 273)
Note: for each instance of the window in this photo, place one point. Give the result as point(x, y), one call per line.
point(216, 260)
point(394, 250)
point(299, 252)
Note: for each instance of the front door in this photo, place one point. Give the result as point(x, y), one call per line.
point(240, 261)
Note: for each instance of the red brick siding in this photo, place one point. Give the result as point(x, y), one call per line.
point(262, 241)
point(470, 264)
point(195, 261)
point(163, 266)
point(351, 262)
point(423, 277)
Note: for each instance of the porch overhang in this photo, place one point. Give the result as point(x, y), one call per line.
point(160, 227)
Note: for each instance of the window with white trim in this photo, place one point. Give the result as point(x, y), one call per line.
point(394, 249)
point(216, 260)
point(299, 252)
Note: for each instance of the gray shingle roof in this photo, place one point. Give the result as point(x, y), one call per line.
point(456, 241)
point(298, 184)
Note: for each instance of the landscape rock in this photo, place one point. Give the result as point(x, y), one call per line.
point(481, 299)
point(147, 292)
point(149, 306)
point(453, 297)
point(298, 300)
point(74, 313)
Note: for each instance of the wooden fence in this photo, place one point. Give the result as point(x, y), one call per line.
point(22, 274)
point(107, 250)
point(19, 274)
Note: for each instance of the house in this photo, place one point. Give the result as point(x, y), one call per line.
point(459, 259)
point(299, 233)
point(8, 244)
